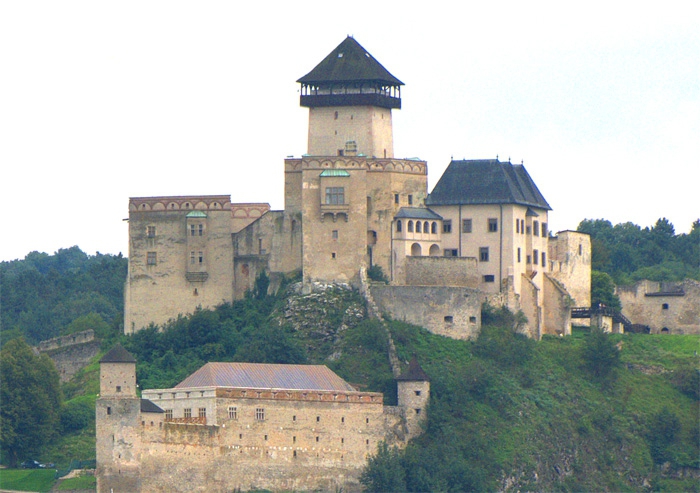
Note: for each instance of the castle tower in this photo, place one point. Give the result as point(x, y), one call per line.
point(350, 96)
point(118, 418)
point(414, 395)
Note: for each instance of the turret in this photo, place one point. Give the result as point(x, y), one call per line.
point(414, 395)
point(350, 96)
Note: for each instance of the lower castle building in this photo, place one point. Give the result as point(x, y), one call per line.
point(351, 205)
point(243, 426)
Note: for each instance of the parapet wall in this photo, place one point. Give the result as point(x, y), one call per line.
point(442, 271)
point(71, 353)
point(449, 311)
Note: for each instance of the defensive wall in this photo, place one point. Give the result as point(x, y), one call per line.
point(71, 352)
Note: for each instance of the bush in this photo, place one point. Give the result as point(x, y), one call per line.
point(600, 355)
point(376, 273)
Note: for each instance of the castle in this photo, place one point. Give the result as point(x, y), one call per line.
point(481, 235)
point(233, 426)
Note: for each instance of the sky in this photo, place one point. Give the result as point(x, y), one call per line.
point(102, 101)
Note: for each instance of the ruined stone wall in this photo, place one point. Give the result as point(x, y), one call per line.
point(70, 359)
point(442, 271)
point(671, 306)
point(530, 305)
point(570, 264)
point(557, 312)
point(449, 311)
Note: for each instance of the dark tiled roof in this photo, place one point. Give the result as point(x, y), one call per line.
point(417, 213)
point(148, 407)
point(118, 355)
point(414, 372)
point(349, 62)
point(266, 376)
point(486, 181)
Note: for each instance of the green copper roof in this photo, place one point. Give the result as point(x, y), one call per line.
point(334, 172)
point(196, 214)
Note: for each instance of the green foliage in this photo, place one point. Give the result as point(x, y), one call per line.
point(42, 295)
point(27, 479)
point(601, 358)
point(31, 400)
point(499, 341)
point(384, 471)
point(82, 482)
point(686, 378)
point(603, 291)
point(77, 414)
point(376, 273)
point(629, 253)
point(663, 431)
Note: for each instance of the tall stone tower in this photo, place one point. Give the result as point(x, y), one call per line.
point(414, 395)
point(118, 424)
point(348, 186)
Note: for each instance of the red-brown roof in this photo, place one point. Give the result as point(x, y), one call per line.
point(266, 376)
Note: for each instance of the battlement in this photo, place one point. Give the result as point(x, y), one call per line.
point(65, 341)
point(370, 164)
point(180, 203)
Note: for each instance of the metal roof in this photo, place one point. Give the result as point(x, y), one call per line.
point(148, 407)
point(196, 214)
point(417, 213)
point(266, 376)
point(334, 172)
point(118, 355)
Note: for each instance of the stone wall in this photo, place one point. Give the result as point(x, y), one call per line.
point(663, 307)
point(557, 315)
point(449, 311)
point(570, 264)
point(69, 360)
point(442, 271)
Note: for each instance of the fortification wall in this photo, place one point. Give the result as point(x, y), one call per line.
point(449, 311)
point(557, 314)
point(570, 264)
point(442, 271)
point(663, 307)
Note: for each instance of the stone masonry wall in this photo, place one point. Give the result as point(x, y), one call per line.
point(442, 271)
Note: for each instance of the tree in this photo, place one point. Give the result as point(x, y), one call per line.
point(603, 290)
point(31, 401)
point(600, 355)
point(384, 471)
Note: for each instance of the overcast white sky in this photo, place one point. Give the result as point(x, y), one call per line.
point(102, 101)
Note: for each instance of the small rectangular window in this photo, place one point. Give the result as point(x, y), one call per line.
point(417, 392)
point(449, 319)
point(517, 225)
point(334, 234)
point(151, 231)
point(410, 200)
point(484, 254)
point(168, 414)
point(489, 278)
point(119, 388)
point(493, 225)
point(544, 230)
point(193, 257)
point(232, 412)
point(396, 198)
point(450, 252)
point(335, 195)
point(192, 230)
point(202, 412)
point(109, 410)
point(259, 414)
point(447, 226)
point(518, 254)
point(200, 258)
point(200, 229)
point(544, 260)
point(535, 228)
point(535, 256)
point(188, 412)
point(466, 225)
point(151, 258)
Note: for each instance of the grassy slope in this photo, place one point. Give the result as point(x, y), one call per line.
point(27, 479)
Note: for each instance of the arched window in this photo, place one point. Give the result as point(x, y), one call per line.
point(410, 226)
point(416, 250)
point(434, 250)
point(417, 226)
point(433, 228)
point(398, 226)
point(426, 227)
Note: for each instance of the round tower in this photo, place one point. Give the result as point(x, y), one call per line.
point(414, 395)
point(350, 96)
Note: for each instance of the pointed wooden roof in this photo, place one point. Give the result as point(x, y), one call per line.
point(486, 181)
point(118, 355)
point(414, 373)
point(349, 62)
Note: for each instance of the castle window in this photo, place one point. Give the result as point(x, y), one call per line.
point(528, 230)
point(200, 258)
point(367, 441)
point(240, 436)
point(447, 226)
point(193, 230)
point(342, 419)
point(367, 420)
point(544, 230)
point(168, 414)
point(266, 437)
point(484, 254)
point(202, 412)
point(232, 412)
point(433, 228)
point(544, 259)
point(522, 226)
point(580, 249)
point(517, 225)
point(119, 388)
point(200, 229)
point(450, 252)
point(398, 226)
point(417, 392)
point(426, 227)
point(295, 453)
point(334, 234)
point(335, 195)
point(518, 254)
point(192, 257)
point(417, 411)
point(109, 410)
point(535, 228)
point(472, 320)
point(418, 227)
point(335, 117)
point(188, 412)
point(259, 414)
point(466, 225)
point(294, 439)
point(342, 440)
point(333, 255)
point(294, 418)
point(410, 197)
point(396, 198)
point(664, 306)
point(489, 278)
point(317, 438)
point(318, 419)
point(529, 259)
point(410, 226)
point(535, 256)
point(151, 231)
point(449, 319)
point(151, 258)
point(493, 225)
